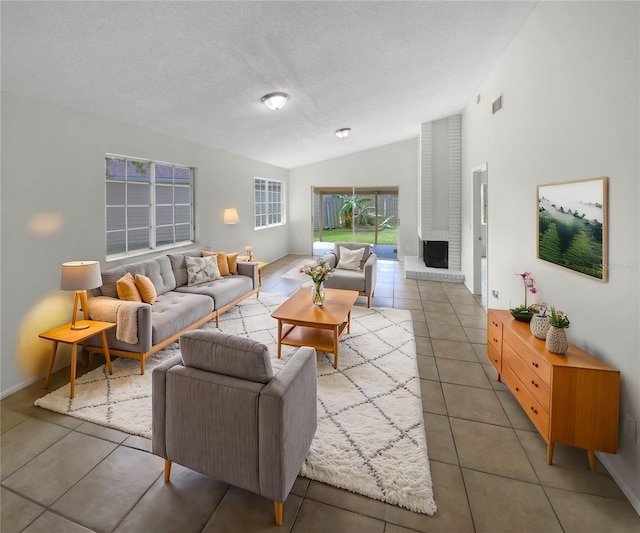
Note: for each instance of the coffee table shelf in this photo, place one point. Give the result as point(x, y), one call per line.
point(317, 326)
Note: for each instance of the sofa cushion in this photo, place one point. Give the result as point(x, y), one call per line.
point(127, 290)
point(223, 291)
point(351, 280)
point(158, 270)
point(221, 257)
point(352, 246)
point(174, 311)
point(146, 289)
point(350, 259)
point(179, 267)
point(223, 353)
point(201, 269)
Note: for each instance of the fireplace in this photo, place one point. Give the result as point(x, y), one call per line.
point(436, 253)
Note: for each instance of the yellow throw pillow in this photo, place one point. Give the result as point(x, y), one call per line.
point(223, 265)
point(146, 288)
point(232, 261)
point(127, 289)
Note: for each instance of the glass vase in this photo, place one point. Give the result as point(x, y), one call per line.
point(317, 293)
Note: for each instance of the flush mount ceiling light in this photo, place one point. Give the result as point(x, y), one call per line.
point(275, 101)
point(342, 132)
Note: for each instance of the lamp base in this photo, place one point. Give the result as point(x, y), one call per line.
point(76, 328)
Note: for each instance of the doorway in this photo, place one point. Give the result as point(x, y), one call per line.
point(356, 214)
point(480, 226)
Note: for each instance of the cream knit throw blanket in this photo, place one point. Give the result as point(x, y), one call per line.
point(123, 313)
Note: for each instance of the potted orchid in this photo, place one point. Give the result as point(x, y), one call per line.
point(318, 272)
point(524, 312)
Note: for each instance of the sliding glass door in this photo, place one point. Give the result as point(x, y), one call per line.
point(357, 214)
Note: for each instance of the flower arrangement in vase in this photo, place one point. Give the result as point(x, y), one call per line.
point(524, 312)
point(556, 340)
point(540, 323)
point(318, 272)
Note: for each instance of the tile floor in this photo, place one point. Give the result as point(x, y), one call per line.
point(488, 464)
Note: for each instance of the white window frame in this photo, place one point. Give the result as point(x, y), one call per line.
point(272, 210)
point(152, 209)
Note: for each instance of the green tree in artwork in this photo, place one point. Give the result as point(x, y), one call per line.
point(584, 255)
point(550, 244)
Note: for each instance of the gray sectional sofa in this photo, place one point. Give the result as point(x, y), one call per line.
point(178, 307)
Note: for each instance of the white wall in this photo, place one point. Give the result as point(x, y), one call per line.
point(389, 165)
point(570, 81)
point(53, 211)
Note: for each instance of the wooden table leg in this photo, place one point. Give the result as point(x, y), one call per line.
point(74, 361)
point(336, 341)
point(52, 359)
point(550, 453)
point(349, 322)
point(107, 357)
point(592, 459)
point(279, 338)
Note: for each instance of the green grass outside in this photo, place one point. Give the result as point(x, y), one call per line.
point(385, 236)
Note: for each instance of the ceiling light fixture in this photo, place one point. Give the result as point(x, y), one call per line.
point(275, 101)
point(342, 132)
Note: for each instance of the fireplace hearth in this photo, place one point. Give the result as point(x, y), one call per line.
point(436, 253)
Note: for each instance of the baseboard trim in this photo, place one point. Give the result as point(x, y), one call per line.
point(634, 500)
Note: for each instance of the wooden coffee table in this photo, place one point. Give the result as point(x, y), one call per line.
point(317, 326)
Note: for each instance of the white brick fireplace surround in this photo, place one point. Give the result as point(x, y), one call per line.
point(439, 196)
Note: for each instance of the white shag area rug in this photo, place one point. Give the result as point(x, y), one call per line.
point(370, 438)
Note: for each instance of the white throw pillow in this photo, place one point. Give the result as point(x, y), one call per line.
point(201, 269)
point(350, 259)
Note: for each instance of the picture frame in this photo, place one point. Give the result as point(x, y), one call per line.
point(572, 226)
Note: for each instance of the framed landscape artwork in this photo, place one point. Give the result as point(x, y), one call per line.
point(572, 225)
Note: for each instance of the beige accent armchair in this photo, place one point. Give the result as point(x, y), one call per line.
point(362, 280)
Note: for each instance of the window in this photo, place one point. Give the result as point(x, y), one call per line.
point(269, 201)
point(149, 205)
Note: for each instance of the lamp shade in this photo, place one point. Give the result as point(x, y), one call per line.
point(275, 101)
point(231, 216)
point(80, 275)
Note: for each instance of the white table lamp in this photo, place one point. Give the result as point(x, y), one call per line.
point(79, 276)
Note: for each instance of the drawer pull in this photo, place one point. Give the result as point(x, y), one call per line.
point(496, 360)
point(534, 384)
point(495, 340)
point(534, 410)
point(535, 364)
point(517, 389)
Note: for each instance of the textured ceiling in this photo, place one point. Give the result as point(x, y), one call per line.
point(197, 70)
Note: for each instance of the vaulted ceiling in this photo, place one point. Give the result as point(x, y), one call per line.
point(197, 70)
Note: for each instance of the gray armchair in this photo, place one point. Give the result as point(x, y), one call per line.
point(363, 279)
point(219, 410)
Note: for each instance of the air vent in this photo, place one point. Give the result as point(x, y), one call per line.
point(497, 105)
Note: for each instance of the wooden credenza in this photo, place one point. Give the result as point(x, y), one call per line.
point(571, 399)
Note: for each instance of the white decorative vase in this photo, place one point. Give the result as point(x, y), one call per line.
point(317, 293)
point(557, 340)
point(539, 326)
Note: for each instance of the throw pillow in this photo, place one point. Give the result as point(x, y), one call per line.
point(146, 288)
point(227, 263)
point(350, 259)
point(232, 260)
point(201, 269)
point(127, 290)
point(223, 266)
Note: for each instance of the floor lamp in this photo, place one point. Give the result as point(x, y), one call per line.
point(79, 276)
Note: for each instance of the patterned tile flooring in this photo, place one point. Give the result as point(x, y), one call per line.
point(487, 461)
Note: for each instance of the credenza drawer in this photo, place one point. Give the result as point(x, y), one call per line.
point(531, 359)
point(531, 406)
point(528, 377)
point(494, 332)
point(495, 357)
